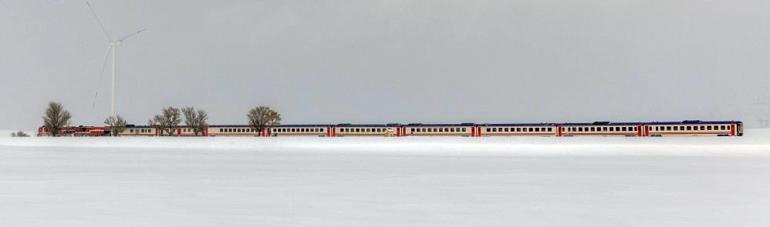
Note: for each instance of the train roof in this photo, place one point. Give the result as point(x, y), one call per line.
point(691, 122)
point(518, 124)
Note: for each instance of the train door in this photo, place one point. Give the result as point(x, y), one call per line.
point(739, 126)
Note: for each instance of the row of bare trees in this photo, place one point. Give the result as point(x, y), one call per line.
point(166, 122)
point(170, 118)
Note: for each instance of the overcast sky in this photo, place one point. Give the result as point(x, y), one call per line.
point(386, 61)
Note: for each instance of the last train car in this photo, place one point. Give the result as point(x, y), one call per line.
point(695, 128)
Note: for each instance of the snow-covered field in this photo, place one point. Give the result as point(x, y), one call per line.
point(535, 181)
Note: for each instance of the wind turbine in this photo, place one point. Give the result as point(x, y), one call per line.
point(113, 45)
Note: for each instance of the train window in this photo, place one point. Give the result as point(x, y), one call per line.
point(708, 127)
point(463, 129)
point(702, 127)
point(550, 129)
point(723, 127)
point(537, 129)
point(612, 129)
point(494, 129)
point(728, 127)
point(488, 129)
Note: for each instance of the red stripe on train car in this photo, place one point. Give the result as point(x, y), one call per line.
point(732, 130)
point(647, 130)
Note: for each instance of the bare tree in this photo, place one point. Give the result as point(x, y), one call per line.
point(196, 120)
point(262, 116)
point(116, 124)
point(167, 121)
point(56, 118)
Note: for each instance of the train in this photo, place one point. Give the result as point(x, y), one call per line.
point(599, 128)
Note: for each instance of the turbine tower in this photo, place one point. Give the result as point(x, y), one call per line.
point(112, 47)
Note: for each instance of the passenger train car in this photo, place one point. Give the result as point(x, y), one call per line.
point(628, 129)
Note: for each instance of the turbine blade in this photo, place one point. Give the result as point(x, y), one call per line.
point(132, 35)
point(101, 74)
point(99, 21)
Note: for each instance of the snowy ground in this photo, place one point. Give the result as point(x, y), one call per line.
point(539, 181)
